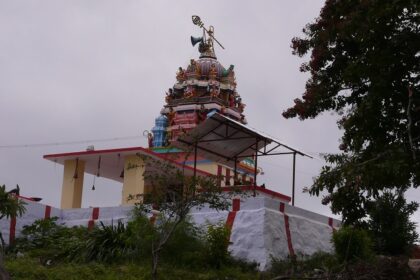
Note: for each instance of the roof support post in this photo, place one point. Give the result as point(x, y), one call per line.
point(195, 160)
point(235, 172)
point(72, 189)
point(255, 167)
point(293, 180)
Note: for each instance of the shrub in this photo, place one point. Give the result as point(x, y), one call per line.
point(47, 240)
point(185, 246)
point(390, 224)
point(217, 239)
point(107, 243)
point(352, 243)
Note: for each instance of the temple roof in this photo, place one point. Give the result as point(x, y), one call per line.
point(111, 161)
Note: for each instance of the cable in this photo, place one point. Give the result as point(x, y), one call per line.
point(68, 142)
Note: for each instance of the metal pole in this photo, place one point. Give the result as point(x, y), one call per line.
point(293, 182)
point(195, 160)
point(255, 167)
point(235, 172)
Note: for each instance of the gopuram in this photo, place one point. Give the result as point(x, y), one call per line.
point(202, 130)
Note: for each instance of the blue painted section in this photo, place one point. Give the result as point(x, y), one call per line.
point(163, 150)
point(159, 131)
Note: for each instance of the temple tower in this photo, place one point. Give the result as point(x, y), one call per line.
point(203, 87)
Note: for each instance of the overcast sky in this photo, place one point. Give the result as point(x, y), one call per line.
point(79, 70)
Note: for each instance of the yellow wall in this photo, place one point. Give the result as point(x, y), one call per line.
point(133, 179)
point(208, 167)
point(71, 192)
point(212, 168)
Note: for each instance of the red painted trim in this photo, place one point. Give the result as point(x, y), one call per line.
point(12, 232)
point(91, 224)
point(287, 227)
point(289, 236)
point(24, 197)
point(95, 216)
point(281, 207)
point(331, 224)
point(230, 220)
point(95, 213)
point(47, 214)
point(236, 204)
point(266, 191)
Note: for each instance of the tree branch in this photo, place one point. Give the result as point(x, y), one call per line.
point(410, 122)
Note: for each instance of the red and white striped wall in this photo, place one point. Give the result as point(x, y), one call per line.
point(261, 227)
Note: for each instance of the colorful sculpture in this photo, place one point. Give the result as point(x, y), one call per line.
point(203, 86)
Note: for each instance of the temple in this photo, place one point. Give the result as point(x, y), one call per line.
point(202, 131)
point(203, 90)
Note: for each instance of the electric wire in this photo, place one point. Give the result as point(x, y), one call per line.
point(36, 145)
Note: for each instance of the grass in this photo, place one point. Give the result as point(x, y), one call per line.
point(31, 268)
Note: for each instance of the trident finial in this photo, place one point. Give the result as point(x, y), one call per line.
point(206, 45)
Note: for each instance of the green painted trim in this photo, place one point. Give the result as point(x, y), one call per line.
point(162, 150)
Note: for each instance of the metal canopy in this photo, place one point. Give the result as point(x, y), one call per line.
point(226, 141)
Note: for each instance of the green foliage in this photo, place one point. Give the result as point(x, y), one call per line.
point(356, 72)
point(352, 244)
point(390, 225)
point(10, 206)
point(303, 265)
point(217, 238)
point(170, 198)
point(48, 240)
point(186, 246)
point(107, 244)
point(26, 268)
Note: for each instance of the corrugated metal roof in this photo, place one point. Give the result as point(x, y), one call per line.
point(222, 139)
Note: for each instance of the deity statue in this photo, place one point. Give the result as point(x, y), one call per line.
point(241, 107)
point(238, 99)
point(228, 71)
point(194, 69)
point(202, 113)
point(168, 138)
point(169, 96)
point(213, 72)
point(230, 77)
point(189, 92)
point(214, 91)
point(150, 139)
point(231, 100)
point(222, 110)
point(171, 116)
point(180, 75)
point(198, 71)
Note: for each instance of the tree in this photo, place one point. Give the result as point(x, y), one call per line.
point(171, 198)
point(364, 65)
point(390, 224)
point(10, 206)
